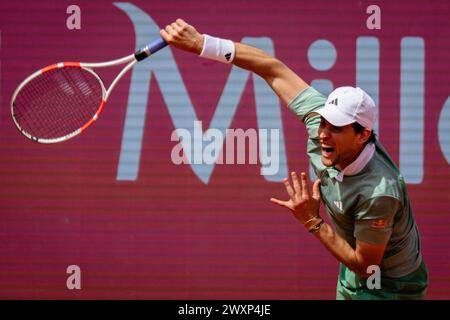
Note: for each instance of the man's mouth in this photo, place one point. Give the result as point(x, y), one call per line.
point(327, 151)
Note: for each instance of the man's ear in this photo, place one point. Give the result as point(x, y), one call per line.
point(364, 135)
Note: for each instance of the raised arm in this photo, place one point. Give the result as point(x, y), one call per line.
point(284, 82)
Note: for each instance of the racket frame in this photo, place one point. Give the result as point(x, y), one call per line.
point(130, 60)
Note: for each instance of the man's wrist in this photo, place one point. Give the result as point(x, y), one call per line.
point(315, 228)
point(218, 49)
point(199, 44)
point(312, 222)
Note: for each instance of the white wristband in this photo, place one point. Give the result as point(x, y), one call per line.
point(218, 49)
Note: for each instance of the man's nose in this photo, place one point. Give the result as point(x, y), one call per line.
point(324, 133)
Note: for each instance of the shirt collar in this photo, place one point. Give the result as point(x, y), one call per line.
point(356, 166)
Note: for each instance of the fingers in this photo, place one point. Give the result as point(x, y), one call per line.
point(181, 22)
point(167, 34)
point(163, 33)
point(183, 36)
point(175, 26)
point(297, 187)
point(170, 30)
point(289, 189)
point(304, 182)
point(316, 189)
point(279, 202)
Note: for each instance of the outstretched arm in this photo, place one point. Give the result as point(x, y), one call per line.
point(283, 81)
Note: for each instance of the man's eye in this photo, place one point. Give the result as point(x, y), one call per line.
point(336, 129)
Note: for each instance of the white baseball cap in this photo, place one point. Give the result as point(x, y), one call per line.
point(346, 105)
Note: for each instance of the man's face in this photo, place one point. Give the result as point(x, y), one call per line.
point(340, 146)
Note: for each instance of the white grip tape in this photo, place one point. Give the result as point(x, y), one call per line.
point(218, 49)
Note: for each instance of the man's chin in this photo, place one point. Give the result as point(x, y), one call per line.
point(327, 162)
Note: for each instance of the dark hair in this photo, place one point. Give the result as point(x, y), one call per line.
point(359, 128)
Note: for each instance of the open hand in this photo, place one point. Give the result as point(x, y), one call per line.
point(301, 203)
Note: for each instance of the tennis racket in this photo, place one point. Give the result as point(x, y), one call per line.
point(58, 102)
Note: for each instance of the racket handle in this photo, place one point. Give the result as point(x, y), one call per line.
point(150, 49)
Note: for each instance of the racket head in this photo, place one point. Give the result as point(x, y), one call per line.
point(58, 102)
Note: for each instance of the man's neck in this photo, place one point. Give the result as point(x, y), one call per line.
point(347, 163)
point(359, 163)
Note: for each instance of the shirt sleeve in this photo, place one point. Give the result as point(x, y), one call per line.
point(375, 219)
point(306, 102)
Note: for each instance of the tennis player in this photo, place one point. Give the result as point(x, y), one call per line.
point(360, 186)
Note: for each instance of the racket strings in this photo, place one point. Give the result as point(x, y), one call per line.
point(58, 102)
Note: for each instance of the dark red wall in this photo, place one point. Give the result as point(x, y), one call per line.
point(167, 234)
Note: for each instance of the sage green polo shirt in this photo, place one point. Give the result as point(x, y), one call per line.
point(371, 205)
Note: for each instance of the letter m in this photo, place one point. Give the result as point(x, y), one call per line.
point(180, 106)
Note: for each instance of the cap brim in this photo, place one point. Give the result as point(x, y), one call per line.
point(334, 116)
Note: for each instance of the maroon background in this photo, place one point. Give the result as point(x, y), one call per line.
point(167, 235)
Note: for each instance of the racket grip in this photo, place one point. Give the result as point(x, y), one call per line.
point(150, 49)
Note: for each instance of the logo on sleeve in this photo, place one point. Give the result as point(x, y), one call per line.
point(379, 223)
point(228, 56)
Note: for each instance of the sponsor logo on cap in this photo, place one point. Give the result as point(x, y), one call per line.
point(334, 101)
